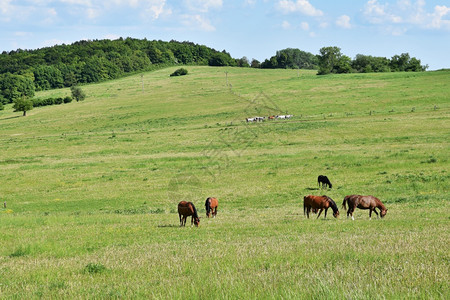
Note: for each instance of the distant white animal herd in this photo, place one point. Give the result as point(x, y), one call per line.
point(261, 119)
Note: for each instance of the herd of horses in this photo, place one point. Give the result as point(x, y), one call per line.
point(311, 204)
point(273, 117)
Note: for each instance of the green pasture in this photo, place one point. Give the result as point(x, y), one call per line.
point(91, 188)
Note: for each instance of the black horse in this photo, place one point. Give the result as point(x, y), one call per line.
point(324, 180)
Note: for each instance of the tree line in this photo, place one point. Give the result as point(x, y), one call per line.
point(22, 72)
point(331, 60)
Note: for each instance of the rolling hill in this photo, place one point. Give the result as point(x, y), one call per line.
point(91, 188)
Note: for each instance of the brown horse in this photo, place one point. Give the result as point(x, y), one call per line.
point(364, 202)
point(319, 202)
point(211, 206)
point(187, 209)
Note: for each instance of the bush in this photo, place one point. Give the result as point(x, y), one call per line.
point(93, 268)
point(179, 72)
point(51, 101)
point(1, 106)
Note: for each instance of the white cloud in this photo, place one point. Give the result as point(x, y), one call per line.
point(197, 22)
point(158, 8)
point(5, 6)
point(406, 13)
point(78, 2)
point(378, 13)
point(203, 5)
point(301, 6)
point(6, 10)
point(52, 42)
point(249, 2)
point(22, 34)
point(92, 13)
point(437, 20)
point(304, 26)
point(324, 25)
point(344, 22)
point(111, 37)
point(286, 25)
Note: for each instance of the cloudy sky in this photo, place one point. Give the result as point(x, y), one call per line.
point(251, 28)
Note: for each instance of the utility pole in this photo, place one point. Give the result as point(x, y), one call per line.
point(142, 81)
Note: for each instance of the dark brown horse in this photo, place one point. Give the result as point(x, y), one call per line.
point(186, 209)
point(364, 202)
point(211, 205)
point(319, 202)
point(322, 179)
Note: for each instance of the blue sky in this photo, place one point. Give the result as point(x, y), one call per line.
point(251, 28)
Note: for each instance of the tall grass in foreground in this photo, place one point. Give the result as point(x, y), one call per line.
point(92, 187)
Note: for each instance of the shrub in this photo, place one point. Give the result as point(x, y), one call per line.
point(20, 251)
point(67, 99)
point(93, 268)
point(179, 72)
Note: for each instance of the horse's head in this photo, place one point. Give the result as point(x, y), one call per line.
point(383, 212)
point(336, 214)
point(196, 221)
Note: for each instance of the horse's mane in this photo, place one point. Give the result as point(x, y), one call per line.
point(195, 210)
point(332, 204)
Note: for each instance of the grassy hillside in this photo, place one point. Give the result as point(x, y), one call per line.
point(91, 188)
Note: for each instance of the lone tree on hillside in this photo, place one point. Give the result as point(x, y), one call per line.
point(77, 93)
point(23, 104)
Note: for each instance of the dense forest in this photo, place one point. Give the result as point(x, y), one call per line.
point(22, 72)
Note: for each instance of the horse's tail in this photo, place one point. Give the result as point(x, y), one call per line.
point(208, 204)
point(304, 205)
point(343, 203)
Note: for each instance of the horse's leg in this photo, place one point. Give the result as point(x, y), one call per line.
point(326, 209)
point(319, 213)
point(180, 220)
point(375, 211)
point(307, 211)
point(370, 213)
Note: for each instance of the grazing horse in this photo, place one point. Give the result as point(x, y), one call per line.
point(186, 209)
point(250, 119)
point(211, 206)
point(324, 180)
point(271, 117)
point(364, 202)
point(319, 202)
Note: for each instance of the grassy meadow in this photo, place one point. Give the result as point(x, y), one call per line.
point(91, 188)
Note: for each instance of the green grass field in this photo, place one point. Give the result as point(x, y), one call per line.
point(92, 187)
